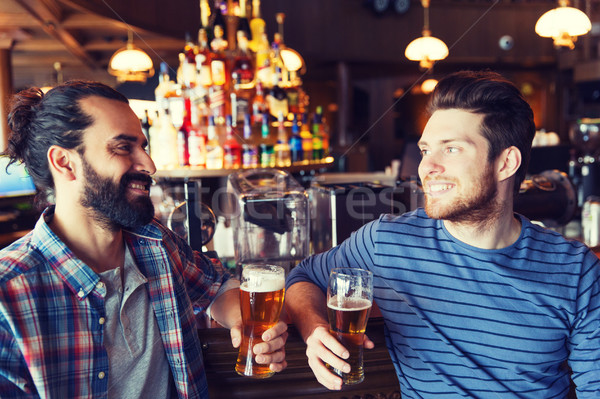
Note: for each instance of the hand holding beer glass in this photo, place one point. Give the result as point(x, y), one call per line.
point(349, 301)
point(261, 300)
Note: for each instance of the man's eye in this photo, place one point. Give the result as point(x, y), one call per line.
point(453, 149)
point(424, 151)
point(124, 148)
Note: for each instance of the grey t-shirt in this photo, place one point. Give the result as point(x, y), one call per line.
point(138, 366)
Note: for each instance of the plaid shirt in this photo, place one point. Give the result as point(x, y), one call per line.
point(52, 313)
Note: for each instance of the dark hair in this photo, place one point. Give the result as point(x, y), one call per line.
point(508, 118)
point(37, 121)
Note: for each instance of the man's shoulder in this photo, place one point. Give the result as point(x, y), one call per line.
point(548, 241)
point(19, 258)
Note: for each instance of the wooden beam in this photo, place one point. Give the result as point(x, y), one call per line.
point(48, 15)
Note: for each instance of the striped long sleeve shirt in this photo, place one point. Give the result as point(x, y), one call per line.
point(465, 322)
point(52, 313)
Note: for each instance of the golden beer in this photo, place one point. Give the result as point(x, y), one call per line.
point(348, 322)
point(261, 300)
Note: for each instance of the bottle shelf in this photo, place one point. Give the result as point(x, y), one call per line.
point(190, 172)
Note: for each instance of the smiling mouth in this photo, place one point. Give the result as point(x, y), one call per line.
point(139, 186)
point(438, 188)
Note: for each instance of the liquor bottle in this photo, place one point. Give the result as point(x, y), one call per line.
point(197, 143)
point(218, 63)
point(296, 142)
point(317, 139)
point(249, 150)
point(257, 26)
point(240, 101)
point(203, 60)
point(185, 131)
point(259, 105)
point(264, 72)
point(323, 131)
point(307, 139)
point(214, 151)
point(165, 88)
point(188, 66)
point(164, 151)
point(275, 57)
point(232, 150)
point(283, 156)
point(217, 103)
point(242, 63)
point(267, 155)
point(277, 97)
point(217, 18)
point(146, 124)
point(243, 23)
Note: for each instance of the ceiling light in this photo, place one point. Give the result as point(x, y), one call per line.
point(426, 49)
point(131, 63)
point(563, 24)
point(428, 85)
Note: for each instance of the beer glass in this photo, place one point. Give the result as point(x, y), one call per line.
point(349, 300)
point(261, 299)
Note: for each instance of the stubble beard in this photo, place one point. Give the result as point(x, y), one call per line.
point(481, 205)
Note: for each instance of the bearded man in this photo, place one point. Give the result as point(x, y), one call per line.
point(478, 302)
point(98, 300)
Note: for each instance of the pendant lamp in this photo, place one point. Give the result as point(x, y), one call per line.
point(563, 24)
point(131, 63)
point(426, 49)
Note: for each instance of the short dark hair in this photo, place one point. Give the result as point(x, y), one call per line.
point(37, 121)
point(508, 118)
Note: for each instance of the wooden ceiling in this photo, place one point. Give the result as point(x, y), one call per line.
point(82, 35)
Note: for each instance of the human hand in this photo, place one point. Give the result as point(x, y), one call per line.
point(321, 348)
point(272, 350)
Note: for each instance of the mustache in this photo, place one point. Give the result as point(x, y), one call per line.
point(141, 177)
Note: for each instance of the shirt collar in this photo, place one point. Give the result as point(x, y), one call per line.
point(78, 276)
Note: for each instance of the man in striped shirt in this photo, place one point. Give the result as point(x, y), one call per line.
point(478, 302)
point(99, 299)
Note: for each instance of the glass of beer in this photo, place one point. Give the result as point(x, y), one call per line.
point(261, 299)
point(349, 300)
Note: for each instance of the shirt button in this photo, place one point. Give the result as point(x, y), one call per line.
point(127, 331)
point(100, 285)
point(80, 294)
point(101, 375)
point(102, 320)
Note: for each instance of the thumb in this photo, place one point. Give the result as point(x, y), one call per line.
point(236, 336)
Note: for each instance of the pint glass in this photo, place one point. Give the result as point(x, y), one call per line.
point(261, 299)
point(349, 300)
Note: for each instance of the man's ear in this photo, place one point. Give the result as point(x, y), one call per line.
point(508, 163)
point(62, 162)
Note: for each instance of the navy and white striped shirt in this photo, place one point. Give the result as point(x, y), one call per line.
point(469, 322)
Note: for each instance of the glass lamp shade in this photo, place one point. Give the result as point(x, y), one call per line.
point(131, 64)
point(292, 60)
point(426, 49)
point(563, 22)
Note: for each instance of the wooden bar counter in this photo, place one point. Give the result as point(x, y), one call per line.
point(297, 380)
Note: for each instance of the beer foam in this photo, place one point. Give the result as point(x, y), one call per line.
point(349, 304)
point(263, 282)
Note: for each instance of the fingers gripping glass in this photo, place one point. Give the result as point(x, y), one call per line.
point(349, 301)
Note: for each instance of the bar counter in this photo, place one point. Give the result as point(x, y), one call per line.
point(297, 380)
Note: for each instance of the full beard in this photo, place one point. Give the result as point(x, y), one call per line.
point(479, 206)
point(109, 203)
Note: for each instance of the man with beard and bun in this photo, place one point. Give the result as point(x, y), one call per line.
point(478, 302)
point(98, 300)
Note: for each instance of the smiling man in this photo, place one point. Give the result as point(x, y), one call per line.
point(98, 300)
point(478, 302)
